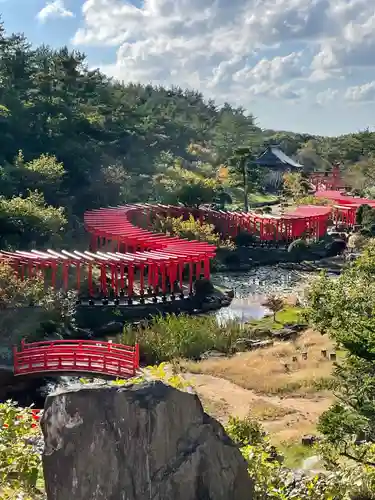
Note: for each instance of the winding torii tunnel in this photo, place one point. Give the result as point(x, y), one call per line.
point(126, 258)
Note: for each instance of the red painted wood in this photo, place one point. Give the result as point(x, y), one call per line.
point(76, 356)
point(115, 229)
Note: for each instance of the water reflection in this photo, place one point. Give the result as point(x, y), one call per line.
point(252, 287)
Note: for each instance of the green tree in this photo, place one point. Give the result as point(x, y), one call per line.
point(274, 304)
point(243, 164)
point(176, 184)
point(27, 221)
point(295, 185)
point(344, 308)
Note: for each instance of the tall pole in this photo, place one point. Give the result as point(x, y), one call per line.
point(245, 184)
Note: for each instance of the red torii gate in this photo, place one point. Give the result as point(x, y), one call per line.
point(124, 270)
point(127, 259)
point(115, 225)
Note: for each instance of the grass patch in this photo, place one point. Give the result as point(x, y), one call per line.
point(264, 410)
point(295, 453)
point(289, 315)
point(260, 198)
point(264, 371)
point(173, 337)
point(236, 194)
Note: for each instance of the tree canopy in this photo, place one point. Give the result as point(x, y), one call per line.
point(82, 140)
point(344, 308)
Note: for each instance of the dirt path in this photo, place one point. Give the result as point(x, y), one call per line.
point(285, 418)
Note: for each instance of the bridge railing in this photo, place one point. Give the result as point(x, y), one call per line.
point(76, 356)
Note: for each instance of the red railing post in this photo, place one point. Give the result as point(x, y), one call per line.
point(104, 357)
point(136, 358)
point(15, 360)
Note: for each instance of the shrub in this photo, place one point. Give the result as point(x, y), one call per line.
point(203, 287)
point(313, 200)
point(356, 241)
point(364, 214)
point(57, 308)
point(232, 259)
point(20, 459)
point(244, 239)
point(272, 480)
point(26, 220)
point(335, 248)
point(297, 247)
point(191, 229)
point(245, 431)
point(170, 337)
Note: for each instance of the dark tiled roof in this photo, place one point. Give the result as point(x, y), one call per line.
point(274, 157)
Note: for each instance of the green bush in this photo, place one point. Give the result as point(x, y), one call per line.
point(363, 214)
point(335, 248)
point(20, 461)
point(244, 239)
point(245, 431)
point(170, 337)
point(190, 229)
point(21, 472)
point(273, 480)
point(297, 247)
point(203, 288)
point(232, 259)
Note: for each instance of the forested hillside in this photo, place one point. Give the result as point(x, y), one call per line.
point(70, 137)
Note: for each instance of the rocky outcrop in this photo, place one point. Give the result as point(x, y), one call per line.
point(146, 441)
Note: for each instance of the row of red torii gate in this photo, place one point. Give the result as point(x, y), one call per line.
point(127, 259)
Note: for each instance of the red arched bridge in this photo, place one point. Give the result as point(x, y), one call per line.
point(76, 356)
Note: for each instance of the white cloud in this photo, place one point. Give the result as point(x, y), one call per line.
point(233, 49)
point(326, 96)
point(276, 69)
point(54, 9)
point(353, 45)
point(364, 93)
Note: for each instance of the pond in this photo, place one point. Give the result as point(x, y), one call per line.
point(252, 287)
point(250, 290)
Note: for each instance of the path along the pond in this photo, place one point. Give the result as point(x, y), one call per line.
point(288, 403)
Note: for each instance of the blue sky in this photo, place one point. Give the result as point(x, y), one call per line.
point(301, 65)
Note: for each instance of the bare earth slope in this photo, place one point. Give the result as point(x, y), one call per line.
point(286, 396)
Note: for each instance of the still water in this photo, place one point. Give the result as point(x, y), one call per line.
point(251, 289)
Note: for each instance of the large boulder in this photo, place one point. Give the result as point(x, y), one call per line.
point(145, 441)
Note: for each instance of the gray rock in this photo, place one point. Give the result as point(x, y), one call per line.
point(285, 334)
point(244, 344)
point(308, 440)
point(212, 354)
point(141, 442)
point(297, 327)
